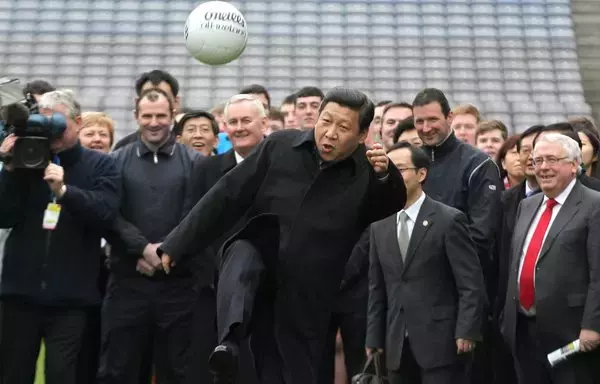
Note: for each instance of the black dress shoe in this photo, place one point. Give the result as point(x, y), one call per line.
point(223, 363)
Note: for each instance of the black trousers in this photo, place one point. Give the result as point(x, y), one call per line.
point(481, 367)
point(87, 363)
point(23, 326)
point(136, 308)
point(203, 336)
point(236, 300)
point(245, 298)
point(353, 329)
point(503, 364)
point(411, 373)
point(533, 367)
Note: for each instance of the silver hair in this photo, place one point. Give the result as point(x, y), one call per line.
point(572, 150)
point(246, 97)
point(64, 97)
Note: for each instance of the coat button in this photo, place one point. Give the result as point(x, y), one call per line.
point(44, 285)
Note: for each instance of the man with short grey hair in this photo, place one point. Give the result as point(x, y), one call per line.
point(245, 122)
point(57, 217)
point(553, 295)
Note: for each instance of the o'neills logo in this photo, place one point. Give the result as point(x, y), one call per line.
point(226, 16)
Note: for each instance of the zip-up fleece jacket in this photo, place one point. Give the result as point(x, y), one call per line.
point(60, 267)
point(467, 179)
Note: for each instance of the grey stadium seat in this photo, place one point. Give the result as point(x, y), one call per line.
point(509, 55)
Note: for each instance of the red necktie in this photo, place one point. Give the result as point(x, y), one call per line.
point(526, 283)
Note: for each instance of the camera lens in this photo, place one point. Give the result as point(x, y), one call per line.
point(34, 155)
point(31, 152)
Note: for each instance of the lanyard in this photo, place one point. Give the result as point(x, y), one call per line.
point(55, 160)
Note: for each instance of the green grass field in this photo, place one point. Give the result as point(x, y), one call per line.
point(39, 374)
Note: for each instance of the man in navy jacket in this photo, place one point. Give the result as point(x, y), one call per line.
point(50, 276)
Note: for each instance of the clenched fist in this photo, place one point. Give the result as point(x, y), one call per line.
point(54, 176)
point(378, 159)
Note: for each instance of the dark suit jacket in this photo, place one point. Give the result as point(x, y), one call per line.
point(437, 295)
point(213, 168)
point(590, 182)
point(567, 277)
point(217, 166)
point(511, 199)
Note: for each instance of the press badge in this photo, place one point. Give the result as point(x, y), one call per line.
point(51, 216)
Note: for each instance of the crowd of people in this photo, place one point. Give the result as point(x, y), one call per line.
point(255, 243)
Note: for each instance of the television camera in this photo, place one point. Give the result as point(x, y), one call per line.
point(19, 115)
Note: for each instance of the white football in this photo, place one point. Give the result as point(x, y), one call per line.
point(216, 33)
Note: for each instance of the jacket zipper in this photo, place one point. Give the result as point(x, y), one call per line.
point(432, 155)
point(155, 158)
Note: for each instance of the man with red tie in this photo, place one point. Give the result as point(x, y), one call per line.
point(553, 295)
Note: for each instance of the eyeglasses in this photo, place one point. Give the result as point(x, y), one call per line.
point(550, 160)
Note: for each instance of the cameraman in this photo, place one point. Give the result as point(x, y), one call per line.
point(50, 271)
point(37, 88)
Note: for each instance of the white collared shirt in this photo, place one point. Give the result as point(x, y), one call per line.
point(238, 157)
point(412, 212)
point(560, 199)
point(528, 189)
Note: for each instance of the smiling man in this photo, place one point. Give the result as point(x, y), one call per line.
point(199, 131)
point(464, 178)
point(246, 124)
point(554, 284)
point(159, 177)
point(308, 196)
point(246, 116)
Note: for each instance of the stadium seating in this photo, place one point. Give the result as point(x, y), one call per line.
point(516, 60)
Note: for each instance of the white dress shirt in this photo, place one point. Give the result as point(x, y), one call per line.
point(238, 157)
point(528, 189)
point(412, 212)
point(560, 199)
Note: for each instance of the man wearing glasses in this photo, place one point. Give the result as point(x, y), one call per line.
point(426, 292)
point(553, 288)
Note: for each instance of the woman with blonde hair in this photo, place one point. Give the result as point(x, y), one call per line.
point(97, 131)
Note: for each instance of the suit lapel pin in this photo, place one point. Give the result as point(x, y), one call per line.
point(425, 223)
